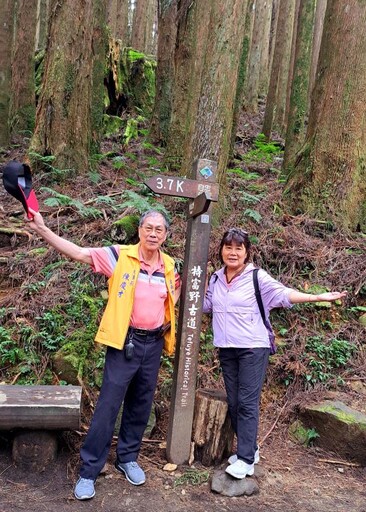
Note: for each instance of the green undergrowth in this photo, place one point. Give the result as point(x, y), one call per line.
point(68, 326)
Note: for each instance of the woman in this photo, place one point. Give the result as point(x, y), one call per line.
point(244, 340)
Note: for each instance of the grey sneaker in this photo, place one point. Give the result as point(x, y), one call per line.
point(84, 489)
point(233, 458)
point(132, 472)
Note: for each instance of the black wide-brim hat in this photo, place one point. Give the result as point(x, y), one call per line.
point(17, 180)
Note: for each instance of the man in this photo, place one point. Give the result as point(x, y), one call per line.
point(143, 289)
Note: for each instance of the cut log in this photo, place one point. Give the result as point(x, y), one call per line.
point(212, 432)
point(35, 449)
point(40, 407)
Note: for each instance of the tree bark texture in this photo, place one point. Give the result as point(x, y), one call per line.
point(321, 6)
point(299, 107)
point(240, 99)
point(70, 108)
point(167, 35)
point(264, 64)
point(283, 77)
point(207, 58)
point(23, 104)
point(259, 46)
point(117, 15)
point(282, 42)
point(329, 176)
point(6, 38)
point(142, 27)
point(42, 24)
point(212, 432)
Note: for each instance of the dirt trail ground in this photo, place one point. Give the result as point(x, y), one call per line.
point(294, 480)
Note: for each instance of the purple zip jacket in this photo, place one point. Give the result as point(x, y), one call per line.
point(236, 319)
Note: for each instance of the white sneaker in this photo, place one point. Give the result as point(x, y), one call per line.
point(240, 469)
point(233, 458)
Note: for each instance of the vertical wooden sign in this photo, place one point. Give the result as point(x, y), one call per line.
point(190, 313)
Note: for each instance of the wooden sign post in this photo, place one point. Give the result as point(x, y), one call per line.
point(202, 190)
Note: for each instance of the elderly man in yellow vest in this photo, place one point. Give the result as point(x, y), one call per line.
point(137, 324)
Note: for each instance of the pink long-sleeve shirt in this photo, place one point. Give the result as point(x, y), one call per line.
point(236, 318)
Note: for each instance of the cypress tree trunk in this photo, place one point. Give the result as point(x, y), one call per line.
point(69, 113)
point(279, 51)
point(329, 176)
point(117, 15)
point(23, 104)
point(284, 71)
point(6, 36)
point(243, 71)
point(142, 27)
point(298, 111)
point(321, 6)
point(42, 24)
point(257, 47)
point(167, 35)
point(209, 48)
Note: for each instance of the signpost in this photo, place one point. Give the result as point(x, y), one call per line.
point(202, 190)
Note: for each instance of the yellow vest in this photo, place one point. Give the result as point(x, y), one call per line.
point(121, 288)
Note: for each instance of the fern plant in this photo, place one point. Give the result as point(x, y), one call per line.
point(58, 200)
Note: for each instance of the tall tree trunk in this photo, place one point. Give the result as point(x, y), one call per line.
point(284, 71)
point(6, 37)
point(167, 35)
point(23, 104)
point(264, 63)
point(257, 47)
point(281, 44)
point(70, 107)
point(209, 48)
point(243, 71)
point(329, 178)
point(142, 27)
point(117, 16)
point(321, 6)
point(299, 107)
point(292, 60)
point(42, 24)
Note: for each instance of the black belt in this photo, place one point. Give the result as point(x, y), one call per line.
point(146, 332)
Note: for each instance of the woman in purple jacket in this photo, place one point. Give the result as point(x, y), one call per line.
point(243, 339)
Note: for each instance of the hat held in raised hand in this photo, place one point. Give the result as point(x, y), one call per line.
point(17, 180)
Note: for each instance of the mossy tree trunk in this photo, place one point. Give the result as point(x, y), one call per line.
point(117, 16)
point(42, 24)
point(23, 102)
point(167, 35)
point(208, 53)
point(6, 37)
point(299, 108)
point(329, 175)
point(70, 108)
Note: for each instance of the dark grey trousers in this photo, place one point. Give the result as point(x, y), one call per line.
point(244, 370)
point(133, 382)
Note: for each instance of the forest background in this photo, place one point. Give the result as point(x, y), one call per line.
point(98, 96)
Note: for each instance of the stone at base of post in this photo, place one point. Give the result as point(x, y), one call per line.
point(212, 432)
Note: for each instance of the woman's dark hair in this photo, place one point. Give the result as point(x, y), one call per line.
point(238, 236)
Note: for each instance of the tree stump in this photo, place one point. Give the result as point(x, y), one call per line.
point(212, 432)
point(35, 449)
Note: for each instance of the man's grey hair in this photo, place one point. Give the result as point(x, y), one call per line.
point(154, 213)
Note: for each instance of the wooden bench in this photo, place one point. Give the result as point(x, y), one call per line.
point(34, 413)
